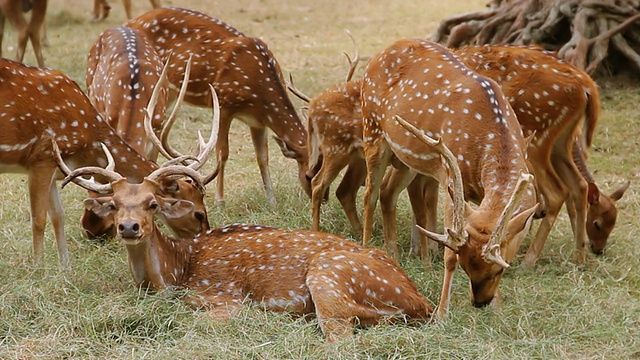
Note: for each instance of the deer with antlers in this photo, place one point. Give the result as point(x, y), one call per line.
point(557, 105)
point(246, 77)
point(481, 141)
point(27, 31)
point(125, 83)
point(295, 271)
point(69, 118)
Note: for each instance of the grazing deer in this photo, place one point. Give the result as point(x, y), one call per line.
point(296, 271)
point(558, 105)
point(244, 73)
point(101, 8)
point(67, 116)
point(32, 30)
point(484, 149)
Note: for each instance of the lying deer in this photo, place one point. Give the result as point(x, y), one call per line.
point(244, 73)
point(38, 104)
point(433, 90)
point(31, 30)
point(295, 271)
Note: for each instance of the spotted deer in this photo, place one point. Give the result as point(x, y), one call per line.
point(428, 86)
point(295, 271)
point(244, 73)
point(123, 72)
point(67, 116)
point(27, 31)
point(558, 105)
point(101, 8)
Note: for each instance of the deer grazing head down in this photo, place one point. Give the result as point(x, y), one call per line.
point(558, 105)
point(480, 139)
point(296, 271)
point(244, 73)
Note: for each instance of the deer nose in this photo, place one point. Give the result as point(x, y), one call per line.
point(129, 229)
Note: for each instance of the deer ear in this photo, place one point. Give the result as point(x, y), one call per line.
point(593, 194)
point(170, 187)
point(102, 207)
point(174, 208)
point(617, 195)
point(286, 150)
point(521, 222)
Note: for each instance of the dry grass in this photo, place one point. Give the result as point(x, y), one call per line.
point(556, 311)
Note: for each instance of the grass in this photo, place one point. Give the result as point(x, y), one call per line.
point(556, 311)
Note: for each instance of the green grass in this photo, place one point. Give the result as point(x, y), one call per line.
point(556, 311)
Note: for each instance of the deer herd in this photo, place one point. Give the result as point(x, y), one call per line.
point(506, 128)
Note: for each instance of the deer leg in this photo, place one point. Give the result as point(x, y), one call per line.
point(40, 179)
point(56, 215)
point(34, 29)
point(155, 3)
point(2, 20)
point(127, 8)
point(329, 170)
point(348, 189)
point(259, 138)
point(450, 263)
point(555, 194)
point(377, 161)
point(578, 187)
point(222, 152)
point(423, 195)
point(394, 182)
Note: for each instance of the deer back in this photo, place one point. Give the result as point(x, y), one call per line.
point(242, 69)
point(547, 93)
point(122, 70)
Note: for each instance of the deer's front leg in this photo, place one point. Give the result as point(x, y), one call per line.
point(259, 138)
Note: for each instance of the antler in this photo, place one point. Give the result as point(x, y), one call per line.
point(491, 250)
point(356, 57)
point(177, 171)
point(91, 184)
point(295, 91)
point(205, 148)
point(456, 237)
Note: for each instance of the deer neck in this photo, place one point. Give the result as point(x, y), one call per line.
point(160, 261)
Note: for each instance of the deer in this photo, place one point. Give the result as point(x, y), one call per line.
point(465, 119)
point(101, 8)
point(245, 75)
point(123, 72)
point(68, 117)
point(294, 271)
point(27, 31)
point(560, 114)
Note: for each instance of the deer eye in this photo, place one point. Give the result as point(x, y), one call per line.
point(153, 205)
point(596, 224)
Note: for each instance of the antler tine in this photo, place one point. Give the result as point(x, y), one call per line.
point(458, 189)
point(168, 124)
point(74, 175)
point(491, 250)
point(356, 56)
point(177, 171)
point(150, 109)
point(295, 91)
point(206, 149)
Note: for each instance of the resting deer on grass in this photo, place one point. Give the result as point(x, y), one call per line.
point(295, 271)
point(433, 90)
point(66, 114)
point(246, 77)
